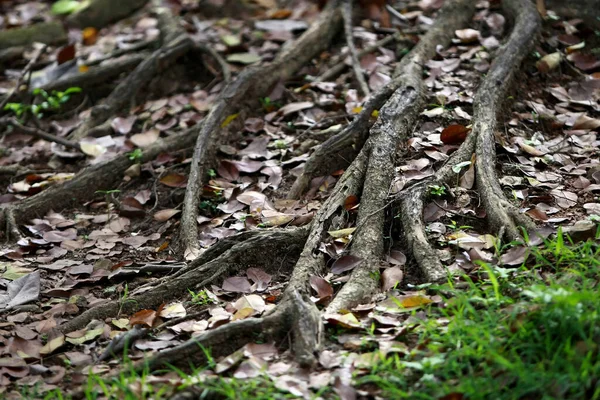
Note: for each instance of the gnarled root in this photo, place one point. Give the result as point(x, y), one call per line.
point(504, 216)
point(249, 86)
point(395, 123)
point(249, 252)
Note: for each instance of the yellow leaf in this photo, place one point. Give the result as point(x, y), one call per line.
point(341, 233)
point(83, 68)
point(375, 113)
point(414, 301)
point(357, 110)
point(243, 313)
point(229, 119)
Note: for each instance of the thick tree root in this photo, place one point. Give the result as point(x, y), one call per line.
point(248, 87)
point(97, 75)
point(295, 315)
point(395, 123)
point(338, 151)
point(504, 217)
point(283, 245)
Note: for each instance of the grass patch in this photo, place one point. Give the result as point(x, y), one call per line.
point(526, 333)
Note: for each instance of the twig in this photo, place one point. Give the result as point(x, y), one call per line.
point(358, 73)
point(25, 71)
point(339, 65)
point(222, 63)
point(44, 135)
point(396, 13)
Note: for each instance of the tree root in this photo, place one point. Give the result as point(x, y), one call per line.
point(395, 124)
point(97, 75)
point(503, 215)
point(358, 73)
point(338, 151)
point(249, 252)
point(248, 87)
point(175, 43)
point(83, 186)
point(295, 315)
point(492, 93)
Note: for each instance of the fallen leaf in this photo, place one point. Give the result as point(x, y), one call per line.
point(244, 58)
point(467, 35)
point(323, 288)
point(146, 138)
point(341, 233)
point(390, 277)
point(164, 215)
point(144, 317)
point(295, 107)
point(174, 180)
point(229, 120)
point(90, 36)
point(454, 134)
point(21, 291)
point(237, 284)
point(345, 263)
point(65, 53)
point(123, 125)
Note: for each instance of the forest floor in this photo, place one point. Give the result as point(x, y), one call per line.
point(249, 200)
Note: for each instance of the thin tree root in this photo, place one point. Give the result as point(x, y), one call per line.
point(395, 124)
point(247, 88)
point(338, 151)
point(358, 73)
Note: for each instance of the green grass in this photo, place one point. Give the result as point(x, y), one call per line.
point(526, 333)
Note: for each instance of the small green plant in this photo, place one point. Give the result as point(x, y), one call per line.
point(107, 198)
point(281, 144)
point(212, 173)
point(454, 226)
point(436, 190)
point(135, 155)
point(201, 298)
point(50, 102)
point(61, 7)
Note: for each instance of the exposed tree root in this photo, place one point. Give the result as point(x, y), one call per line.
point(43, 135)
point(45, 32)
point(283, 246)
point(504, 216)
point(175, 43)
point(247, 88)
point(97, 75)
point(339, 150)
point(82, 187)
point(295, 315)
point(395, 124)
point(358, 73)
